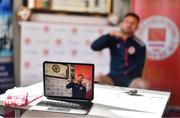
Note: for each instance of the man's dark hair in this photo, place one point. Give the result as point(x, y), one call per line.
point(133, 15)
point(81, 75)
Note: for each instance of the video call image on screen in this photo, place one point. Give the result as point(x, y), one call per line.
point(68, 80)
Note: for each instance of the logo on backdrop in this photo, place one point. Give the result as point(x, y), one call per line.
point(160, 35)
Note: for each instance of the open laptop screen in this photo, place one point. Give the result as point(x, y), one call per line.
point(68, 80)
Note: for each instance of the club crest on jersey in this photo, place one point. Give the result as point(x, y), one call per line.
point(131, 50)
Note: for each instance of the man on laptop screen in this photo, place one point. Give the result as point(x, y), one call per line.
point(78, 89)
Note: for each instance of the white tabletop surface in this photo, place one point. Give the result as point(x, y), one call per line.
point(109, 101)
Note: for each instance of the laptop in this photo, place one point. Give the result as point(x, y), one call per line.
point(68, 87)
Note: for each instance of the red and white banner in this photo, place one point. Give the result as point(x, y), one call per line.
point(159, 29)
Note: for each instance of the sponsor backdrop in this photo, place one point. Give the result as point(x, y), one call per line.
point(159, 29)
point(6, 53)
point(59, 42)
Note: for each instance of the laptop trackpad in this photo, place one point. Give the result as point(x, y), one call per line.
point(78, 111)
point(58, 109)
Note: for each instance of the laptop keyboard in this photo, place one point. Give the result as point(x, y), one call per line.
point(60, 104)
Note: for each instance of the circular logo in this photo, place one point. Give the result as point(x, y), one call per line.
point(56, 68)
point(131, 50)
point(161, 36)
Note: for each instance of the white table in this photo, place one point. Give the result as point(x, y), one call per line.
point(109, 101)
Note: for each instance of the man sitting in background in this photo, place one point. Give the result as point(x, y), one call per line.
point(127, 52)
